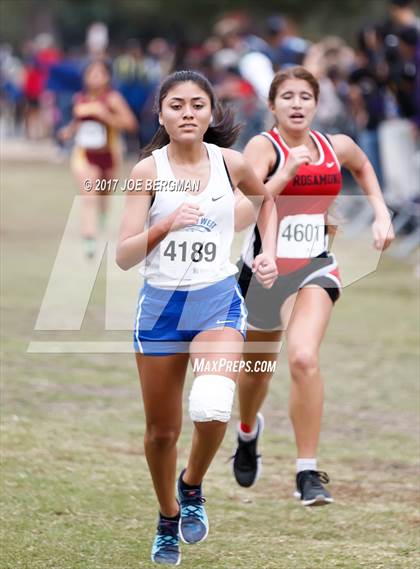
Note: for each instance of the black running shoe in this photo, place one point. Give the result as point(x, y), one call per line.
point(309, 488)
point(246, 461)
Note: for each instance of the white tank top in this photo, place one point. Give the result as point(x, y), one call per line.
point(198, 255)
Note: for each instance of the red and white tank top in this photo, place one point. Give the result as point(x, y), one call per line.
point(302, 206)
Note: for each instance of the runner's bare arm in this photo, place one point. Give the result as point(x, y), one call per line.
point(351, 156)
point(68, 131)
point(121, 116)
point(260, 155)
point(134, 241)
point(244, 177)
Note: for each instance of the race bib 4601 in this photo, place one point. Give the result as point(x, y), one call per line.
point(301, 236)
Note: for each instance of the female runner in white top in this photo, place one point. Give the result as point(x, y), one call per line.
point(180, 237)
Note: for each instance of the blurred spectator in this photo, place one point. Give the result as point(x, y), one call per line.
point(135, 76)
point(286, 48)
point(417, 89)
point(64, 81)
point(398, 35)
point(11, 90)
point(160, 58)
point(233, 89)
point(242, 73)
point(403, 72)
point(367, 94)
point(41, 54)
point(330, 61)
point(97, 40)
point(398, 54)
point(401, 14)
point(253, 64)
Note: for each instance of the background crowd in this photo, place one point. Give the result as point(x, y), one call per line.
point(370, 89)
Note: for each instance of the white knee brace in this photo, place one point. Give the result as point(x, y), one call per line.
point(211, 398)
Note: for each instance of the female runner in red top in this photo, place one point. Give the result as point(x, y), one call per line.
point(301, 169)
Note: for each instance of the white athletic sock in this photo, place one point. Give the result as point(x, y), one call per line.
point(305, 464)
point(246, 437)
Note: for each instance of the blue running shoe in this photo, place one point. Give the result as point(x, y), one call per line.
point(194, 524)
point(89, 244)
point(165, 550)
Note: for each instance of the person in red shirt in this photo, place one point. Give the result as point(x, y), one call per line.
point(301, 169)
point(41, 55)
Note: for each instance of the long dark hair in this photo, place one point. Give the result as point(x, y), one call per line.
point(222, 131)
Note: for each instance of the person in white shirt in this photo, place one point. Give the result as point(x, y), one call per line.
point(190, 305)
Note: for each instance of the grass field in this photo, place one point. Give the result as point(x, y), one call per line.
point(75, 486)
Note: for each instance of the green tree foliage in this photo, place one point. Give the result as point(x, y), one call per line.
point(183, 20)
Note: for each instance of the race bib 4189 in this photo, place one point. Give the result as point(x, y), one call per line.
point(188, 254)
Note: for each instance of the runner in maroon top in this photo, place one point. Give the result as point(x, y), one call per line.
point(301, 169)
point(100, 114)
